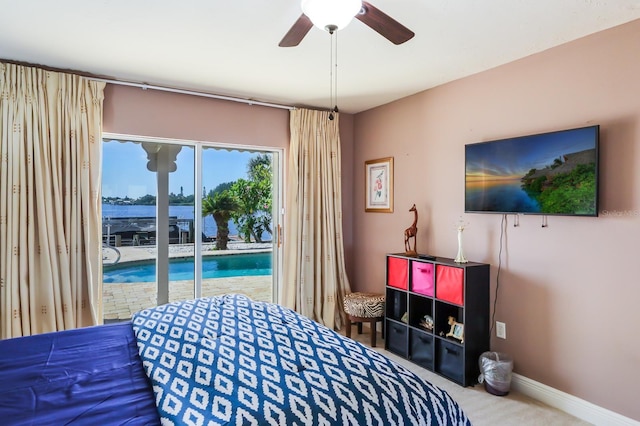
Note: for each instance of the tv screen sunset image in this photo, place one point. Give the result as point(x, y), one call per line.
point(551, 173)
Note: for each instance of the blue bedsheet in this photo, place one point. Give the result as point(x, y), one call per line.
point(88, 376)
point(231, 360)
point(223, 360)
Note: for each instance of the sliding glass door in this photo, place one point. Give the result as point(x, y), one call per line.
point(184, 220)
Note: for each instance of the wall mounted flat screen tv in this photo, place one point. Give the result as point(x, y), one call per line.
point(552, 173)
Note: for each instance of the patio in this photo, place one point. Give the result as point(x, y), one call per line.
point(121, 300)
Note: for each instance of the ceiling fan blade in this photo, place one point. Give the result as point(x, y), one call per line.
point(383, 24)
point(297, 32)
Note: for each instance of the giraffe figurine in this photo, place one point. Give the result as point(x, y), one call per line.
point(410, 233)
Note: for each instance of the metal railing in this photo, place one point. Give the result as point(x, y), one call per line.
point(142, 230)
point(110, 255)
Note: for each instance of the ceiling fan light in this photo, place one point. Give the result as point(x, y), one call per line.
point(331, 13)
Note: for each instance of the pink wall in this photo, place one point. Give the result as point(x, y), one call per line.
point(568, 293)
point(137, 112)
point(133, 111)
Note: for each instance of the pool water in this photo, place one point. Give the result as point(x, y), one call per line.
point(219, 266)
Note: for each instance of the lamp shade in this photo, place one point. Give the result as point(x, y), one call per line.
point(330, 13)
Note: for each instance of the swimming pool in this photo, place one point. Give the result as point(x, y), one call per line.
point(219, 266)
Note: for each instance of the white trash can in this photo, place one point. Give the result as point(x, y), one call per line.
point(495, 372)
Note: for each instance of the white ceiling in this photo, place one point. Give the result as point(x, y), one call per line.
point(231, 48)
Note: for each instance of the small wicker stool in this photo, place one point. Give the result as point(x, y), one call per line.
point(364, 307)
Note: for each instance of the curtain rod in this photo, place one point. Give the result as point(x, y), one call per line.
point(149, 86)
point(190, 92)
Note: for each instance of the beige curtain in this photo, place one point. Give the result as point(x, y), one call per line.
point(315, 280)
point(50, 232)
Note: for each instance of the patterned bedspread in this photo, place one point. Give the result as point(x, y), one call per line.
point(230, 360)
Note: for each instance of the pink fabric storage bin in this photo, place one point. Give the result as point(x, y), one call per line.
point(398, 271)
point(422, 278)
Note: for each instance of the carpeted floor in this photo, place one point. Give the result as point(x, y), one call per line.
point(483, 408)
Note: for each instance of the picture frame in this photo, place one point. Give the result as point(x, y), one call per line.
point(379, 185)
point(457, 330)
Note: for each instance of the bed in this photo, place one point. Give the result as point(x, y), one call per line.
point(90, 376)
point(212, 361)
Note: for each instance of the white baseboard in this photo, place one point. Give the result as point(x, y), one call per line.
point(568, 403)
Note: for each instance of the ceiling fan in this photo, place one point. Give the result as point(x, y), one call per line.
point(370, 15)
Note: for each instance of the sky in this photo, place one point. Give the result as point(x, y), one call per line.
point(513, 158)
point(125, 173)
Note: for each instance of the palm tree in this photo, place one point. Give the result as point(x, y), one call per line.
point(254, 196)
point(220, 205)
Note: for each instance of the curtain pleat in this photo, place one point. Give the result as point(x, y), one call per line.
point(50, 232)
point(315, 279)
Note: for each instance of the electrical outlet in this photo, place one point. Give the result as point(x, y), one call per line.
point(501, 330)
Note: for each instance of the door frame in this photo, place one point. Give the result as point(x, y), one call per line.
point(277, 204)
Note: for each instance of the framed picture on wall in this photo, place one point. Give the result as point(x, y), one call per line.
point(378, 177)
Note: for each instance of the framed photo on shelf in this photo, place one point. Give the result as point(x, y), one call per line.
point(457, 330)
point(379, 185)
